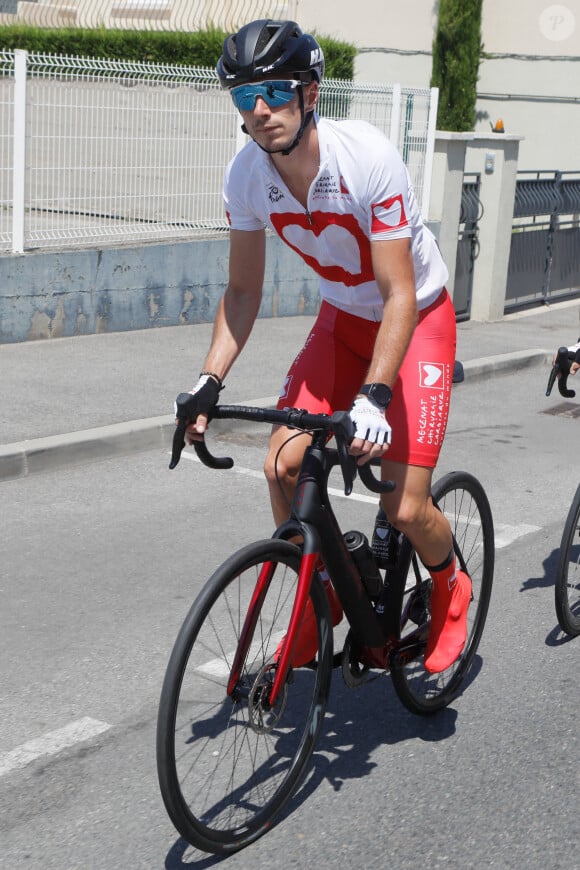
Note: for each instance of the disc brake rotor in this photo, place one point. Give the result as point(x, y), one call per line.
point(264, 718)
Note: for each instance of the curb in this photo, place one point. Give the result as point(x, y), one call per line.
point(39, 455)
point(505, 363)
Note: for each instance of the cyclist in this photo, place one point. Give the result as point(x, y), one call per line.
point(383, 343)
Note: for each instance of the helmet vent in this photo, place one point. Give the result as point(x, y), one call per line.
point(231, 47)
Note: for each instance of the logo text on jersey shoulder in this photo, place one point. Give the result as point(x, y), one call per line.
point(274, 193)
point(388, 215)
point(431, 375)
point(326, 186)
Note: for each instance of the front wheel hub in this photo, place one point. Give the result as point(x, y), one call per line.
point(262, 716)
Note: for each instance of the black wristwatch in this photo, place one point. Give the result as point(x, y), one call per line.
point(379, 393)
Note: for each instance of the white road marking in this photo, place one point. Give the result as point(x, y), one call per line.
point(504, 534)
point(51, 743)
point(221, 667)
point(259, 475)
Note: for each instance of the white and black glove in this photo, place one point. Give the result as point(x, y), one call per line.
point(204, 397)
point(370, 421)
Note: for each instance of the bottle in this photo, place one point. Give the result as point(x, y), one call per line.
point(385, 549)
point(358, 546)
point(380, 539)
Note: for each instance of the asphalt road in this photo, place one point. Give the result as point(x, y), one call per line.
point(99, 565)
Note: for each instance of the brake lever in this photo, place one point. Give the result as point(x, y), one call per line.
point(344, 429)
point(562, 364)
point(183, 418)
point(178, 441)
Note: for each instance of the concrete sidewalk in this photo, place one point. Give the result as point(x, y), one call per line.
point(69, 400)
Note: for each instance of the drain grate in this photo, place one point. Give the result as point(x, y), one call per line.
point(571, 410)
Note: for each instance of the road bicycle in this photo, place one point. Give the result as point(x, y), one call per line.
point(567, 586)
point(237, 723)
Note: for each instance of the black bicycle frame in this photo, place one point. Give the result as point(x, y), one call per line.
point(312, 517)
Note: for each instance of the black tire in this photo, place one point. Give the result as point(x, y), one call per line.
point(567, 590)
point(228, 766)
point(463, 501)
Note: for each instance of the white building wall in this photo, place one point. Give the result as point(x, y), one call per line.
point(532, 81)
point(531, 78)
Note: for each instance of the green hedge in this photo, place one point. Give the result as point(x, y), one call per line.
point(201, 48)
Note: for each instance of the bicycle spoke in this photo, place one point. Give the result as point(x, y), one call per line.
point(462, 500)
point(227, 765)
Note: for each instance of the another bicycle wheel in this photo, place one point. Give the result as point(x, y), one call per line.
point(227, 764)
point(463, 501)
point(567, 591)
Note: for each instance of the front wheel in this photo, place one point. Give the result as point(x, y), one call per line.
point(567, 590)
point(463, 501)
point(228, 763)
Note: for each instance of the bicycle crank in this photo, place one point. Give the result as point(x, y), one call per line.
point(354, 673)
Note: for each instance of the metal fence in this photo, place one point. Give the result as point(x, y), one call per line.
point(545, 244)
point(97, 152)
point(467, 244)
point(143, 14)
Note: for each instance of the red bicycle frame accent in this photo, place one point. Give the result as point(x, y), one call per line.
point(247, 633)
point(307, 567)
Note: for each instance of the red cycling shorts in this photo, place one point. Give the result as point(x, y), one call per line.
point(331, 367)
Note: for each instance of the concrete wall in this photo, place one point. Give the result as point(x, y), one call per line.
point(63, 293)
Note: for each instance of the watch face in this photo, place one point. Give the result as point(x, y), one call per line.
point(380, 393)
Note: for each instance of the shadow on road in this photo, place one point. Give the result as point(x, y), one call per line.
point(556, 636)
point(357, 722)
point(549, 565)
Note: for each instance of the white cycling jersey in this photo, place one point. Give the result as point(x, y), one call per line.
point(362, 192)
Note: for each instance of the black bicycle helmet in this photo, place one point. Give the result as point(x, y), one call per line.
point(264, 48)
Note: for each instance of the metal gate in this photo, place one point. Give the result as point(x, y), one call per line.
point(545, 243)
point(467, 244)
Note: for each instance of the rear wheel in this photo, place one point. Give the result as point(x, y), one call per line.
point(567, 590)
point(463, 501)
point(228, 763)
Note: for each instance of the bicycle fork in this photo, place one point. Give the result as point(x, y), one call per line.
point(307, 568)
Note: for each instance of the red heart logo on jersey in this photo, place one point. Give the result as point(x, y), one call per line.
point(388, 215)
point(317, 223)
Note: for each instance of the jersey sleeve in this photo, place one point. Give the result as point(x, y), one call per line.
point(237, 199)
point(390, 200)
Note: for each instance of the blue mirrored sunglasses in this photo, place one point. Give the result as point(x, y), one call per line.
point(274, 93)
